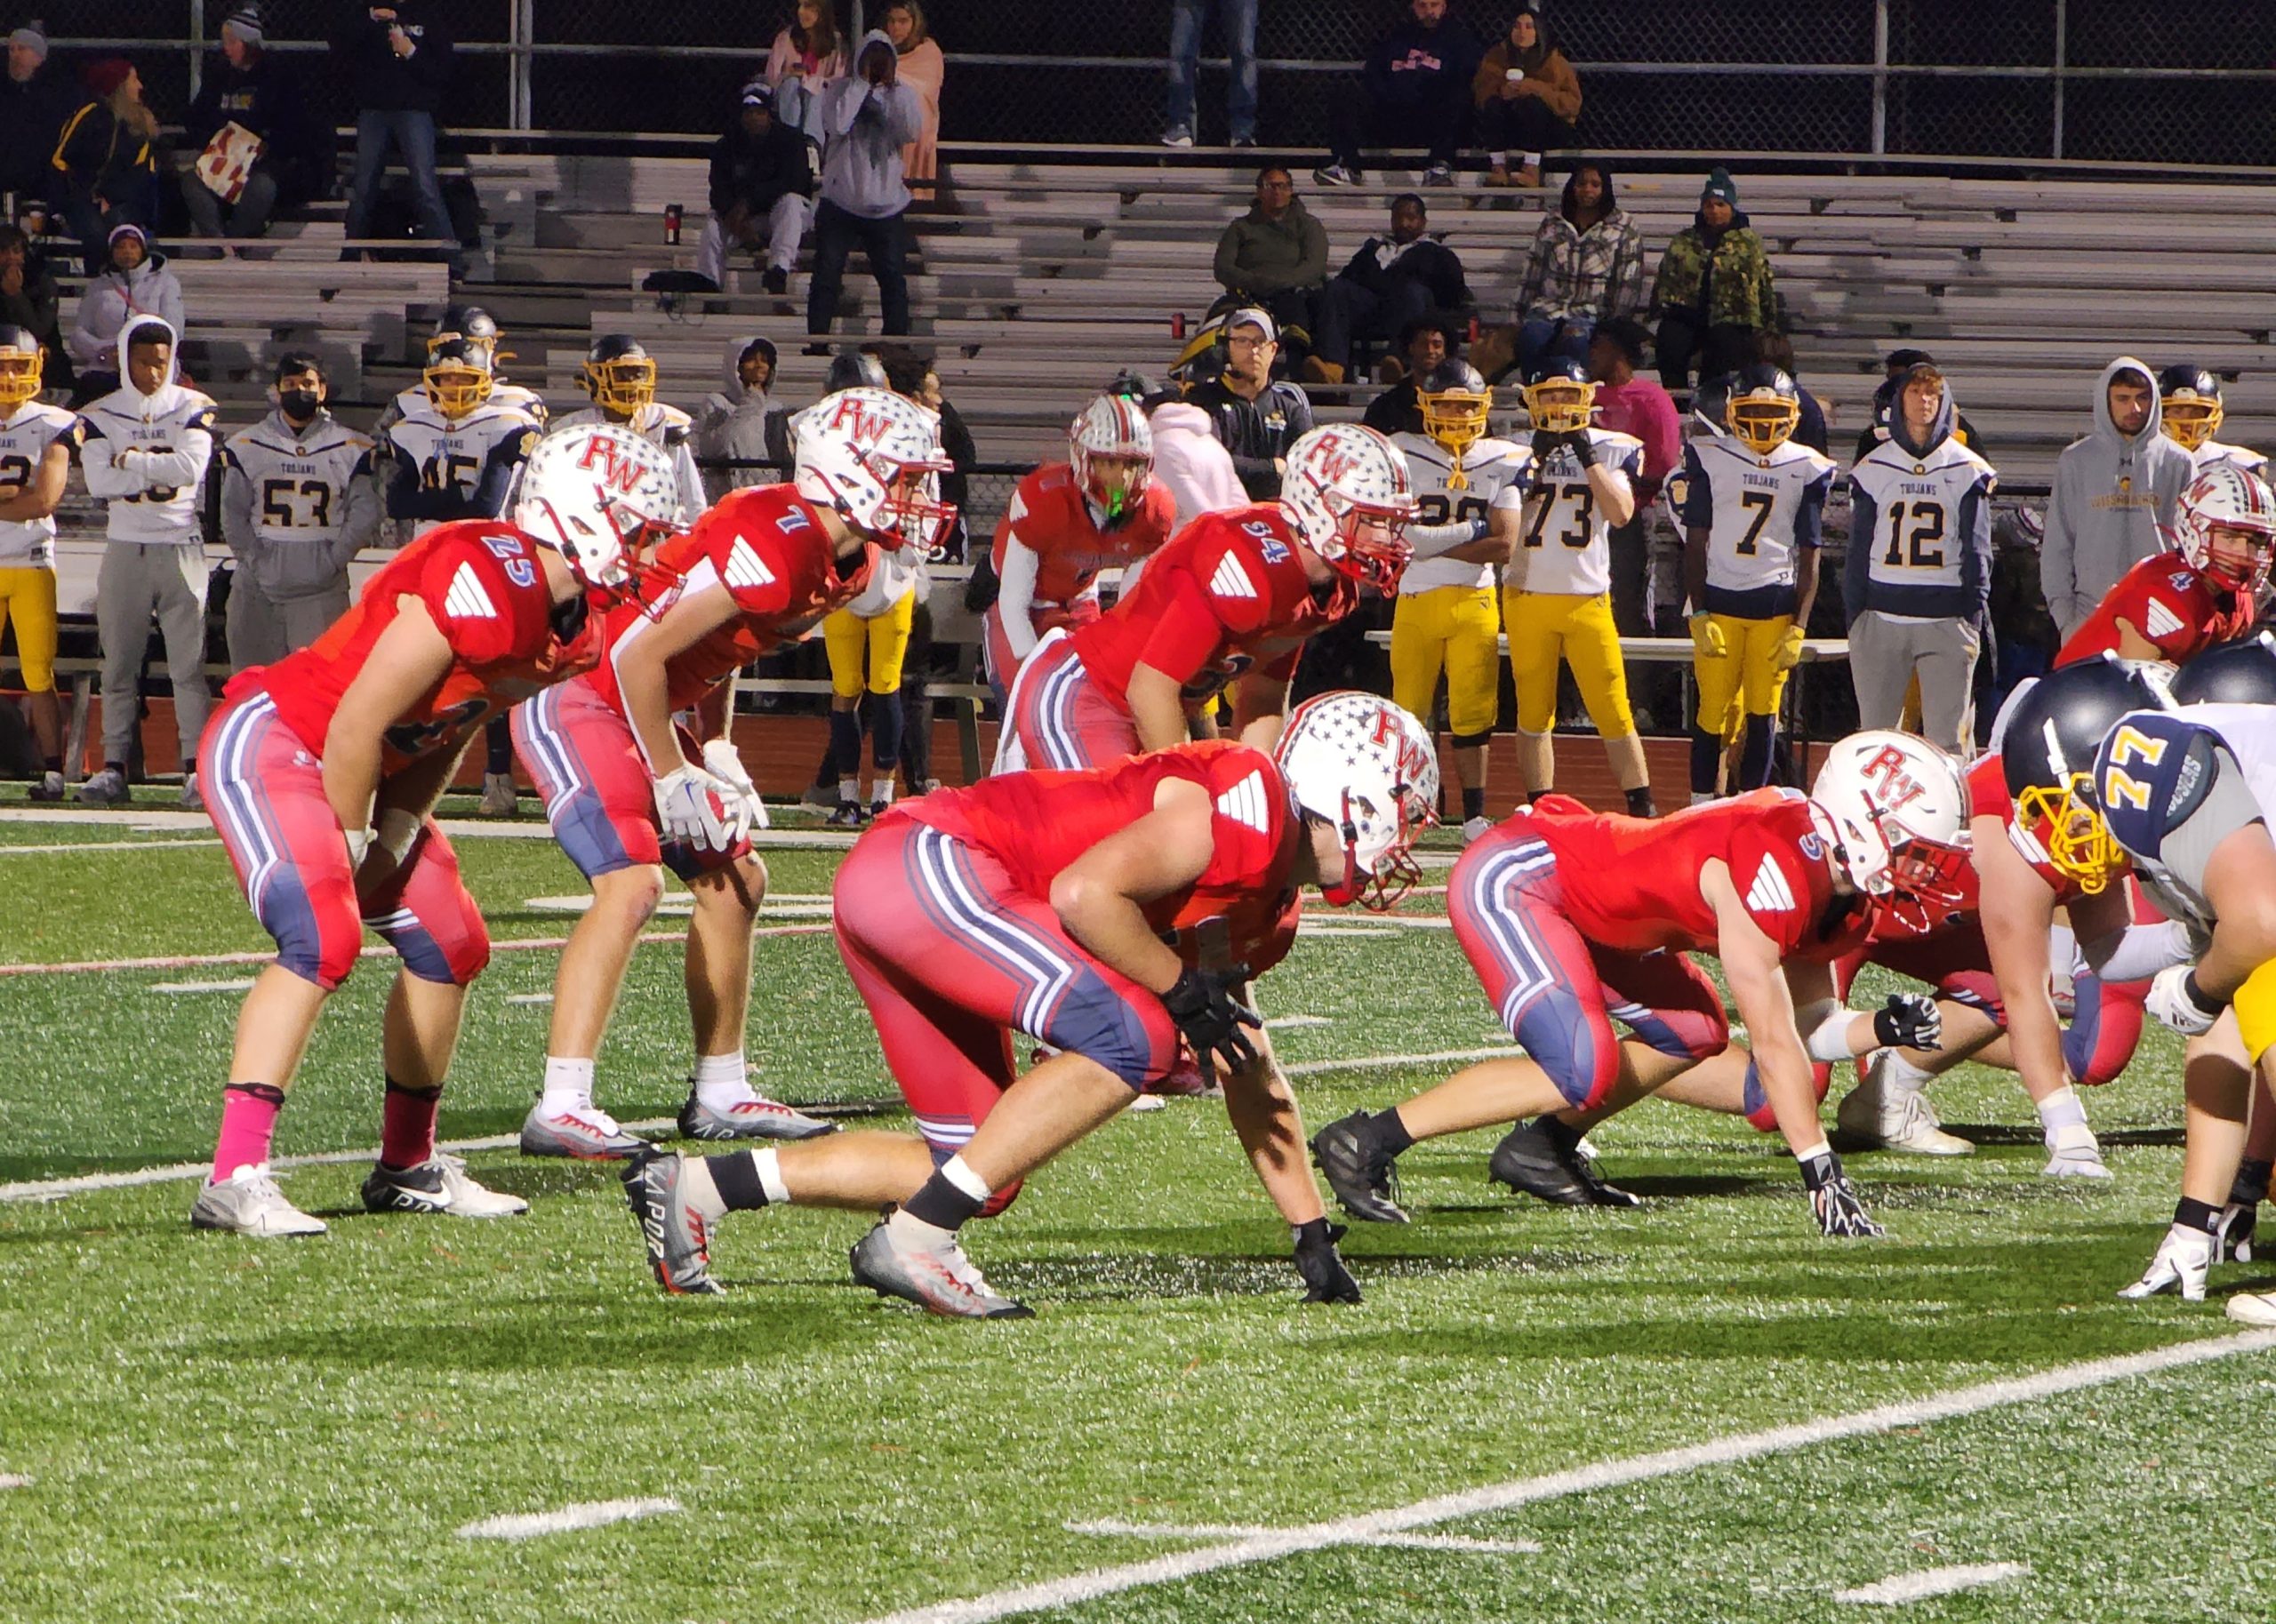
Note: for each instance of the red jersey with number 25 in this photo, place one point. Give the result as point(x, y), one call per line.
point(767, 547)
point(482, 585)
point(1229, 593)
point(2168, 601)
point(1036, 823)
point(1049, 517)
point(1632, 883)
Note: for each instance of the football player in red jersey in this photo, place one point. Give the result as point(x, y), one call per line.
point(1569, 916)
point(2207, 591)
point(1068, 521)
point(1106, 911)
point(325, 767)
point(1230, 600)
point(630, 793)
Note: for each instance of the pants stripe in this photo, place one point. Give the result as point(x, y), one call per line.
point(1537, 971)
point(1043, 973)
point(237, 802)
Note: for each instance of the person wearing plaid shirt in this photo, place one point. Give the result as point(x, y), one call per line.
point(1586, 266)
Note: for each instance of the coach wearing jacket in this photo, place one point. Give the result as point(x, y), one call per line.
point(1254, 417)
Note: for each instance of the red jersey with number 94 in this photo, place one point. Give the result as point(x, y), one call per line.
point(484, 587)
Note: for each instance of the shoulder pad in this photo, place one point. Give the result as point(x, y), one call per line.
point(2152, 770)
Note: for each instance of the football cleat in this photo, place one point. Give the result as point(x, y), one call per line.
point(498, 797)
point(757, 1117)
point(439, 1184)
point(940, 1280)
point(1544, 1158)
point(50, 787)
point(677, 1238)
point(106, 787)
point(191, 799)
point(849, 815)
point(1879, 1117)
point(590, 1135)
point(2253, 1307)
point(1361, 1173)
point(249, 1202)
point(1476, 828)
point(2183, 1259)
point(2074, 1153)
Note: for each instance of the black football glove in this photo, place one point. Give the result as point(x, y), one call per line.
point(1544, 447)
point(1909, 1020)
point(2232, 1242)
point(1326, 1279)
point(1202, 1005)
point(1834, 1200)
point(1584, 450)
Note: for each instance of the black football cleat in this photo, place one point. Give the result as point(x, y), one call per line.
point(1361, 1173)
point(1543, 1158)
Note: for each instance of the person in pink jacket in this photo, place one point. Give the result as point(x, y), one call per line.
point(805, 56)
point(922, 68)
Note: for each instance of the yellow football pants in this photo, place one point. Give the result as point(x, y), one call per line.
point(28, 599)
point(882, 639)
point(1453, 630)
point(1746, 680)
point(1547, 626)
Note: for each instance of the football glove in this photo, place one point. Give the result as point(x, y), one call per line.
point(2175, 1000)
point(1201, 1002)
point(1909, 1020)
point(2072, 1152)
point(2232, 1241)
point(1835, 1201)
point(2181, 1263)
point(1545, 445)
point(1326, 1279)
point(721, 759)
point(1707, 639)
point(699, 809)
point(1788, 654)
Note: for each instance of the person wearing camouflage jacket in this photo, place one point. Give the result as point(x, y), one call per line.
point(1714, 291)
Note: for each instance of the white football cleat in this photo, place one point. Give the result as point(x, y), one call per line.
point(2253, 1307)
point(1876, 1115)
point(439, 1184)
point(2183, 1259)
point(248, 1202)
point(2074, 1152)
point(1473, 828)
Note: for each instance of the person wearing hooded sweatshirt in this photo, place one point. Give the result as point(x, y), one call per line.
point(1275, 256)
point(761, 181)
point(1411, 94)
point(1528, 97)
point(2114, 495)
point(34, 103)
point(1714, 289)
point(1586, 266)
point(143, 451)
point(1918, 578)
point(867, 118)
point(108, 157)
point(137, 284)
point(1190, 463)
point(741, 422)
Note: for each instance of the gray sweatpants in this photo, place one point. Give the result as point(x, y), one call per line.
point(262, 630)
point(786, 226)
point(136, 581)
point(1886, 651)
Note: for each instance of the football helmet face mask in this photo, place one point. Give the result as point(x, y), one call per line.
point(2189, 404)
point(1455, 403)
point(599, 495)
point(2047, 742)
point(471, 323)
point(1894, 808)
point(22, 359)
point(619, 375)
point(1763, 409)
point(2226, 525)
point(1559, 397)
point(1110, 447)
point(458, 380)
point(875, 458)
point(1362, 764)
point(1349, 491)
point(2241, 673)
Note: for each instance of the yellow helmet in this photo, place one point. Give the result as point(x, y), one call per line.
point(2189, 404)
point(1455, 402)
point(1763, 410)
point(1560, 398)
point(458, 378)
point(619, 374)
point(22, 358)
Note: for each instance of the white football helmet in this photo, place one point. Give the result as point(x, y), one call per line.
point(2226, 497)
point(1369, 768)
point(1894, 808)
point(597, 493)
point(1111, 426)
point(876, 458)
point(1349, 490)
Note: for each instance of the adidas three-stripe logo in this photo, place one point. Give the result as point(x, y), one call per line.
point(2161, 622)
point(468, 599)
point(1245, 803)
point(746, 568)
point(1770, 893)
point(1231, 580)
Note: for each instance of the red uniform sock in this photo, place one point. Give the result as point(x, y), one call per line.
point(248, 1121)
point(407, 1125)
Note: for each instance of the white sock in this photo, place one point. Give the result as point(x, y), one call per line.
point(849, 790)
point(1700, 797)
point(1900, 1076)
point(1532, 160)
point(881, 792)
point(723, 1081)
point(767, 1163)
point(957, 1172)
point(568, 1086)
point(917, 1235)
point(700, 1190)
point(2061, 1109)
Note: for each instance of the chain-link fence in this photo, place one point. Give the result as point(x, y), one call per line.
point(2182, 83)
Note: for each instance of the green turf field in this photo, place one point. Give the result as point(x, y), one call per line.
point(199, 1428)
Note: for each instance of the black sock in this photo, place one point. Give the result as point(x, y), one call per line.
point(735, 1176)
point(1706, 760)
point(189, 765)
point(1755, 752)
point(1639, 802)
point(2252, 1182)
point(1474, 804)
point(2203, 1215)
point(118, 767)
point(1392, 1132)
point(497, 746)
point(51, 763)
point(942, 1204)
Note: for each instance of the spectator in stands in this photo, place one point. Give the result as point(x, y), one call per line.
point(1239, 20)
point(1275, 256)
point(1630, 403)
point(108, 157)
point(2114, 494)
point(1189, 460)
point(1776, 349)
point(805, 58)
point(762, 183)
point(1423, 344)
point(397, 63)
point(136, 284)
point(867, 119)
point(1586, 266)
point(29, 299)
point(1918, 579)
point(743, 423)
point(1893, 368)
point(299, 501)
point(1714, 291)
point(1527, 99)
point(1254, 416)
point(143, 451)
point(1389, 283)
point(34, 103)
point(922, 69)
point(259, 94)
point(1410, 94)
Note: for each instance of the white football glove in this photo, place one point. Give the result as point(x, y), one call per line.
point(2172, 1002)
point(2072, 1152)
point(2184, 1259)
point(684, 806)
point(720, 756)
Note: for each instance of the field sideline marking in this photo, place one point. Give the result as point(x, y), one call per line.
point(1116, 1528)
point(585, 1514)
point(13, 1480)
point(106, 845)
point(1898, 1588)
point(1080, 1587)
point(200, 961)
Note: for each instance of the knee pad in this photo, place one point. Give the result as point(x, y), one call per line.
point(1470, 741)
point(314, 942)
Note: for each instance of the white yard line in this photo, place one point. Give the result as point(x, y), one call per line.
point(529, 998)
point(1384, 1062)
point(1250, 1549)
point(201, 961)
point(1901, 1587)
point(202, 987)
point(11, 1480)
point(588, 1514)
point(155, 822)
point(106, 846)
point(1286, 1023)
point(1113, 1527)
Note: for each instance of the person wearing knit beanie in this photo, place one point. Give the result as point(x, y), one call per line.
point(108, 157)
point(1722, 188)
point(243, 24)
point(103, 78)
point(31, 38)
